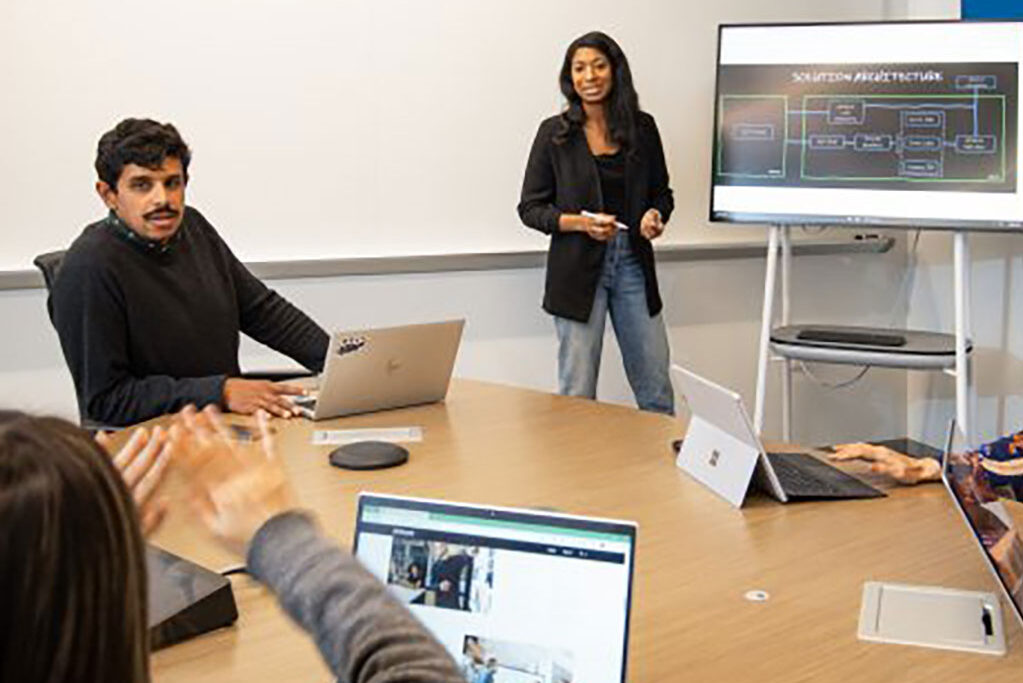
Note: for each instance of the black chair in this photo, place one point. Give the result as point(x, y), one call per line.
point(49, 265)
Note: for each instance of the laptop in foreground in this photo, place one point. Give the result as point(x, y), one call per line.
point(391, 367)
point(988, 518)
point(721, 451)
point(535, 596)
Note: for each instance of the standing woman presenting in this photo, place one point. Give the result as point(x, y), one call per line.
point(596, 182)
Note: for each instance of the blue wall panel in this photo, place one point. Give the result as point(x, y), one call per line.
point(992, 9)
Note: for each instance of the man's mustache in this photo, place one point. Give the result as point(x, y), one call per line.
point(161, 212)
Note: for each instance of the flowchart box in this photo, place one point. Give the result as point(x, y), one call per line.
point(827, 141)
point(753, 131)
point(753, 134)
point(873, 142)
point(976, 144)
point(976, 82)
point(920, 168)
point(923, 119)
point(845, 112)
point(927, 143)
point(918, 139)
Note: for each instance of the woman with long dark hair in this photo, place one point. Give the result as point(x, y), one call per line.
point(72, 560)
point(597, 183)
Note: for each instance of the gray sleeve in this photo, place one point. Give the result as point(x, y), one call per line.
point(363, 633)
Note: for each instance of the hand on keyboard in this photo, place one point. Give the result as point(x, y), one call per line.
point(901, 468)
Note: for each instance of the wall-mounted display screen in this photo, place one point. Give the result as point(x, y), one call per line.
point(908, 124)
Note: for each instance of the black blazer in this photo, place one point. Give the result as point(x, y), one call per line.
point(562, 178)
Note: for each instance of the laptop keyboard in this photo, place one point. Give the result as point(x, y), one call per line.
point(804, 476)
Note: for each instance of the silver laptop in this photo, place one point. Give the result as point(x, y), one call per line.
point(991, 524)
point(390, 367)
point(531, 596)
point(721, 451)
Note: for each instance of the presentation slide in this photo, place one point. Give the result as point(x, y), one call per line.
point(901, 124)
point(525, 603)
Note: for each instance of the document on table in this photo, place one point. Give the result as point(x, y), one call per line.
point(339, 437)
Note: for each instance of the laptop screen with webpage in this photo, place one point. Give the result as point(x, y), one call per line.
point(536, 597)
point(980, 498)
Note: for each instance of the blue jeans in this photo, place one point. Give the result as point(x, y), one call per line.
point(642, 339)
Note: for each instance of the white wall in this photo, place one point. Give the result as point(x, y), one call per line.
point(379, 127)
point(712, 308)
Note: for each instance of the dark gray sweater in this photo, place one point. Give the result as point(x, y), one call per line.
point(364, 634)
point(146, 331)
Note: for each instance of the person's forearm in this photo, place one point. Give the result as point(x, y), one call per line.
point(272, 320)
point(540, 215)
point(572, 222)
point(364, 634)
point(135, 400)
point(930, 469)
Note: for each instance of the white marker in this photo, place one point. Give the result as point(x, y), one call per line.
point(620, 226)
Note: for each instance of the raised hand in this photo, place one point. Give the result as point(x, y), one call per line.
point(235, 488)
point(143, 463)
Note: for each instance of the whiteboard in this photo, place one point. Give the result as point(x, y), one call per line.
point(344, 128)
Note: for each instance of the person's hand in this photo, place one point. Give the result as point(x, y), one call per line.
point(235, 489)
point(901, 468)
point(142, 463)
point(600, 226)
point(651, 226)
point(1005, 468)
point(246, 396)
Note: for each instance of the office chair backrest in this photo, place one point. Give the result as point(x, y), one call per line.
point(49, 264)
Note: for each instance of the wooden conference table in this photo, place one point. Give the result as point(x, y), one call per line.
point(696, 555)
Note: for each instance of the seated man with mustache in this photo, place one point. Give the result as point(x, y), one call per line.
point(149, 302)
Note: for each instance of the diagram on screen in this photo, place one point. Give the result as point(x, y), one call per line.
point(877, 127)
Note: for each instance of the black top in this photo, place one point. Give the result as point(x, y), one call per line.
point(563, 178)
point(611, 169)
point(147, 330)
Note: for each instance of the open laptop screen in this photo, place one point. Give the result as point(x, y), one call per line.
point(976, 494)
point(530, 596)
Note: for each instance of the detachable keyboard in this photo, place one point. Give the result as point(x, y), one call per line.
point(804, 476)
point(842, 336)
